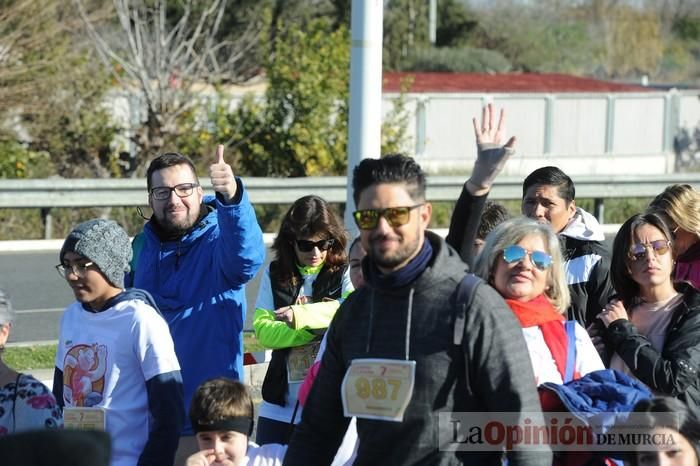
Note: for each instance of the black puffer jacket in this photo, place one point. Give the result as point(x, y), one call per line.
point(674, 370)
point(587, 267)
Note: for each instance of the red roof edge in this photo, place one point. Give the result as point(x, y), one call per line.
point(423, 82)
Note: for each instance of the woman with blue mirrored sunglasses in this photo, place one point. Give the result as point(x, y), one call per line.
point(515, 253)
point(522, 260)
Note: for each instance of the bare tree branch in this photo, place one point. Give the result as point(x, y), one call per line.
point(165, 58)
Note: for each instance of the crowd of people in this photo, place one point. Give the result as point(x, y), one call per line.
point(378, 344)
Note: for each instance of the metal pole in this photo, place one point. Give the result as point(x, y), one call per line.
point(599, 209)
point(48, 222)
point(432, 22)
point(364, 126)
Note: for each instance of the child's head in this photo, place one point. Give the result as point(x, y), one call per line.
point(105, 244)
point(94, 258)
point(493, 215)
point(221, 414)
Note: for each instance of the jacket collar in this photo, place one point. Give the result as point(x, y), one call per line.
point(207, 208)
point(583, 226)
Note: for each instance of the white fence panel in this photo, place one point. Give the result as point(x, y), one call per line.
point(689, 114)
point(578, 125)
point(449, 137)
point(638, 125)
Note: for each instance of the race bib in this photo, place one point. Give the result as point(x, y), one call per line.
point(300, 360)
point(84, 418)
point(378, 388)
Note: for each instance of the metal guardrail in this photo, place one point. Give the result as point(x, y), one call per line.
point(61, 192)
point(52, 193)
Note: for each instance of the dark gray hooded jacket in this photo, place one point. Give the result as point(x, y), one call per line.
point(490, 371)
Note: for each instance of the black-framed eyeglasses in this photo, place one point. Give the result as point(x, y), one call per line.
point(368, 219)
point(639, 251)
point(182, 190)
point(515, 253)
point(78, 269)
point(305, 245)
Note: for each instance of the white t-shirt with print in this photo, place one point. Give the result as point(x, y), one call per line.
point(106, 359)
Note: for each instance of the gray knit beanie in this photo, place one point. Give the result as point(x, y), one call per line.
point(105, 243)
point(6, 313)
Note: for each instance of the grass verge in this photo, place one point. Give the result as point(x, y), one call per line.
point(24, 358)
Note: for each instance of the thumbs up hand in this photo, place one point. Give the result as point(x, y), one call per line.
point(221, 174)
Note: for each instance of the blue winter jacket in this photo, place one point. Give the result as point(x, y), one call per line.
point(601, 398)
point(199, 282)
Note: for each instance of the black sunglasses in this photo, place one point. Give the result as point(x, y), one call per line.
point(304, 245)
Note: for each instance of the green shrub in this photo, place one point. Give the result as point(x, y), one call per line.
point(462, 59)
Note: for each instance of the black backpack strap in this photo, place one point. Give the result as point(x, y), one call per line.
point(465, 296)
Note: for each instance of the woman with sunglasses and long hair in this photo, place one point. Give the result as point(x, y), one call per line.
point(522, 260)
point(653, 326)
point(299, 294)
point(679, 206)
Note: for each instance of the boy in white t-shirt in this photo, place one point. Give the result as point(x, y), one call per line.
point(221, 414)
point(116, 367)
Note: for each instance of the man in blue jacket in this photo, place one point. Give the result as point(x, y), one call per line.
point(195, 256)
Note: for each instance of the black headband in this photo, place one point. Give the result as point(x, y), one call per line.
point(241, 424)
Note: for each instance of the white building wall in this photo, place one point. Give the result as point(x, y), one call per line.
point(638, 125)
point(689, 114)
point(574, 133)
point(584, 134)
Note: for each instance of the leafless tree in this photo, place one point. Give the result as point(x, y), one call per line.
point(166, 59)
point(26, 27)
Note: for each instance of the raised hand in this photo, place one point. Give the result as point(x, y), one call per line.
point(491, 156)
point(488, 132)
point(221, 174)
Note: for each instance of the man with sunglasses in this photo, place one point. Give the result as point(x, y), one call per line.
point(392, 358)
point(195, 255)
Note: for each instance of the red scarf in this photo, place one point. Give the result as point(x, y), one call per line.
point(540, 312)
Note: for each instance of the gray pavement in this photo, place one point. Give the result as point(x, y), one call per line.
point(39, 294)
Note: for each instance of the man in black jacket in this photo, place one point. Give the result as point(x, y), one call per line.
point(391, 358)
point(549, 197)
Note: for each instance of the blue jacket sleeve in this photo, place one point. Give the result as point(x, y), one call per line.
point(166, 404)
point(240, 250)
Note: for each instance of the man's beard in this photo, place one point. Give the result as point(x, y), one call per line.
point(396, 257)
point(175, 229)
